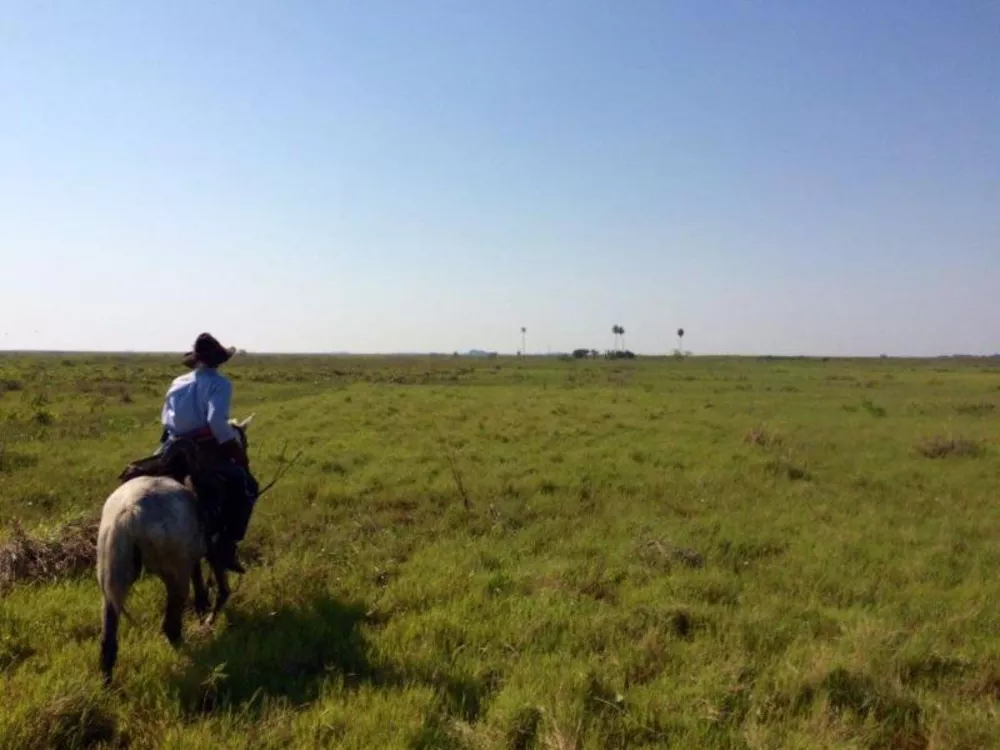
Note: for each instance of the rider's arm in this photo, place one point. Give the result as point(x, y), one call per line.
point(218, 411)
point(218, 420)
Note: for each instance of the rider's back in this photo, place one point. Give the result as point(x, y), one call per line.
point(196, 400)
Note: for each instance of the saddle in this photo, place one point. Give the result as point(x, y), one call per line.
point(193, 461)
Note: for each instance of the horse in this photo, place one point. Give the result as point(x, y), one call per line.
point(154, 523)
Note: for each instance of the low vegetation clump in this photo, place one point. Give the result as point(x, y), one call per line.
point(942, 447)
point(526, 552)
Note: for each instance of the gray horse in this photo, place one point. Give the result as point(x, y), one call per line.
point(152, 522)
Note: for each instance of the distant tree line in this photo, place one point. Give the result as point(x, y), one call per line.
point(618, 352)
point(609, 354)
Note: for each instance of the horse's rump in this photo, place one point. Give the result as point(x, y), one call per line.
point(151, 523)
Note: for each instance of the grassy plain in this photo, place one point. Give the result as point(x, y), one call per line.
point(718, 553)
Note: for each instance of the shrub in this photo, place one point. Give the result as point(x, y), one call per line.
point(942, 447)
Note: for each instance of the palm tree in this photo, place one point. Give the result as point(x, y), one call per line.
point(680, 339)
point(615, 329)
point(524, 332)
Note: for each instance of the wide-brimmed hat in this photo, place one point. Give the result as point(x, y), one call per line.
point(209, 352)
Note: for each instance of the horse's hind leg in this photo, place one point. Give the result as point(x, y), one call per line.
point(109, 640)
point(222, 596)
point(201, 602)
point(173, 617)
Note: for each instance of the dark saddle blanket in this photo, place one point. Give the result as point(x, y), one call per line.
point(195, 462)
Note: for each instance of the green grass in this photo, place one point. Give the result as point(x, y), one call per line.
point(720, 553)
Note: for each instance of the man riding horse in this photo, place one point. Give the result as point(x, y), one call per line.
point(196, 412)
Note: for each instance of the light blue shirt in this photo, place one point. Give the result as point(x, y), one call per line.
point(197, 400)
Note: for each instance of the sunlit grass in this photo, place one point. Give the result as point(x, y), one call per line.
point(693, 553)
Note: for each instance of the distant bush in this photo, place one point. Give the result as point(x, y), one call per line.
point(43, 417)
point(10, 385)
point(783, 467)
point(872, 408)
point(979, 410)
point(942, 447)
point(11, 461)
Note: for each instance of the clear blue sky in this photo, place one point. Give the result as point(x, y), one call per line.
point(789, 177)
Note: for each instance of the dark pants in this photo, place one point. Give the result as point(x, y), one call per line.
point(241, 491)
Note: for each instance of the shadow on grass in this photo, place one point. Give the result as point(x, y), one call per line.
point(282, 654)
point(290, 653)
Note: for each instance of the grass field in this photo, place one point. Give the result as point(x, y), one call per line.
point(718, 553)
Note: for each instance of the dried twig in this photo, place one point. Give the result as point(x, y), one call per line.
point(282, 470)
point(458, 481)
point(455, 473)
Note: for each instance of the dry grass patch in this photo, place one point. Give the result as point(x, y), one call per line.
point(25, 559)
point(763, 437)
point(663, 556)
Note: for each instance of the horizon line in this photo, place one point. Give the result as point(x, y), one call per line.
point(483, 353)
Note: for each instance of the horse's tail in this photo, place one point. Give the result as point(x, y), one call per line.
point(117, 568)
point(117, 562)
